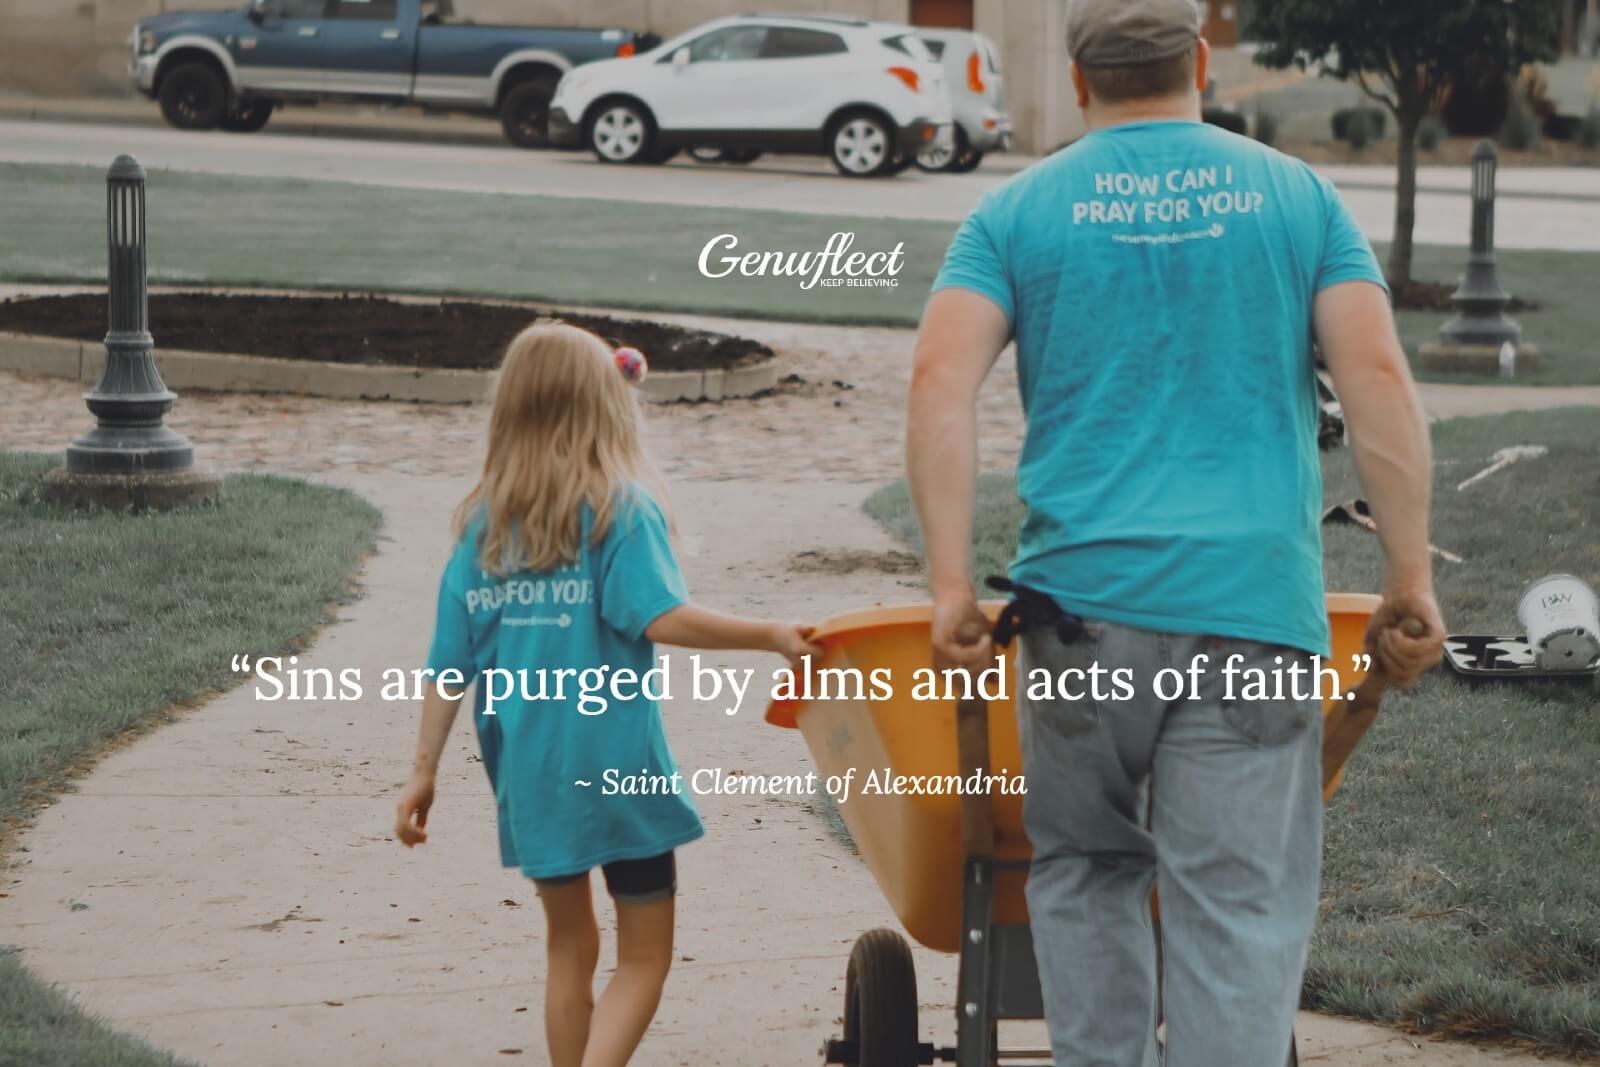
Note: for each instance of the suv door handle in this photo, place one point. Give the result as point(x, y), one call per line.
point(390, 35)
point(308, 31)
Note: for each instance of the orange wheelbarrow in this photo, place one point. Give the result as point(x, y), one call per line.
point(953, 866)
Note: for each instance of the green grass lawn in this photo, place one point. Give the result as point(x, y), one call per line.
point(112, 620)
point(210, 230)
point(1460, 893)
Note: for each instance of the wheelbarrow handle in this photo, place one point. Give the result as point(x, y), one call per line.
point(1345, 726)
point(972, 754)
point(972, 745)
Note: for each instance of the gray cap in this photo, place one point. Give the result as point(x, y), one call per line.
point(1128, 33)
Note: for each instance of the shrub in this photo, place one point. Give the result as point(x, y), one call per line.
point(1589, 129)
point(1360, 130)
point(1430, 131)
point(1374, 119)
point(1521, 129)
point(1564, 128)
point(1228, 119)
point(1267, 128)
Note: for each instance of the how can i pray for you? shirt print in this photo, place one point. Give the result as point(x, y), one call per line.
point(1197, 198)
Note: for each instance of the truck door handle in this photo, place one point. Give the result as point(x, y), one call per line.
point(390, 35)
point(308, 31)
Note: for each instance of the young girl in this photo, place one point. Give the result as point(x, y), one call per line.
point(563, 560)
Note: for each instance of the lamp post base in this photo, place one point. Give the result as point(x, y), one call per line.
point(141, 491)
point(1484, 360)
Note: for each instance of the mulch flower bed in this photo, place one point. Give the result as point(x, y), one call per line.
point(366, 329)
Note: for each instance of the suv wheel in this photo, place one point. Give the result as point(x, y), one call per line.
point(937, 157)
point(862, 146)
point(620, 133)
point(525, 112)
point(194, 97)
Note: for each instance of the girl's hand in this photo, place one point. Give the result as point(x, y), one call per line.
point(411, 819)
point(793, 642)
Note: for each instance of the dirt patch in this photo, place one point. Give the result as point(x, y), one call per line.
point(366, 329)
point(1435, 296)
point(854, 561)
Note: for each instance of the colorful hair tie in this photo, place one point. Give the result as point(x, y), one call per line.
point(631, 362)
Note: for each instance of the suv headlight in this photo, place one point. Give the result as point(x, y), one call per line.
point(147, 41)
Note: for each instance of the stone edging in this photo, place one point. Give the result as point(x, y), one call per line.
point(55, 357)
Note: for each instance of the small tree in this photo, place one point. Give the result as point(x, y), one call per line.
point(1403, 54)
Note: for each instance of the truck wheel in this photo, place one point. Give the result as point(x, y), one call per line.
point(740, 156)
point(248, 118)
point(862, 146)
point(621, 133)
point(525, 112)
point(880, 1001)
point(194, 97)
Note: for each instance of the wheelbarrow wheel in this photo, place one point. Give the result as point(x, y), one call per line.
point(880, 1001)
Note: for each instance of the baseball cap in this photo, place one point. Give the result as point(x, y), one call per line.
point(1128, 33)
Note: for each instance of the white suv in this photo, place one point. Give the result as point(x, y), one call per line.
point(868, 94)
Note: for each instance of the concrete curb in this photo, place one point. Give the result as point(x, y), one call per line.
point(55, 357)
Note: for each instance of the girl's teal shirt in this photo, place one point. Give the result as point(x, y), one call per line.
point(547, 759)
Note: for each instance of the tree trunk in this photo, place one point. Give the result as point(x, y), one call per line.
point(1398, 270)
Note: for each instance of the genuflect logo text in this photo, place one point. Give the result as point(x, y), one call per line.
point(833, 265)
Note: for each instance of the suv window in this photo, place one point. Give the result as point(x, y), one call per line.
point(788, 42)
point(907, 44)
point(728, 44)
point(935, 48)
point(371, 10)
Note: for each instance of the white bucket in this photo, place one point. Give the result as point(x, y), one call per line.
point(1562, 618)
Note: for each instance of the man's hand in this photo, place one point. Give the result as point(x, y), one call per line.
point(1393, 638)
point(411, 819)
point(960, 633)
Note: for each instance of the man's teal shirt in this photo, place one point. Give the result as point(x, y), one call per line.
point(1159, 280)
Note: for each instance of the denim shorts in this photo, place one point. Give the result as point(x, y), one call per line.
point(631, 881)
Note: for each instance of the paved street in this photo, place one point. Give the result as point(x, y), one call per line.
point(1539, 208)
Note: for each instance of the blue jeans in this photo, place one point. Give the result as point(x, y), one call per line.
point(1218, 802)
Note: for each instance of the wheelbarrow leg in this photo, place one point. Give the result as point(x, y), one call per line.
point(975, 999)
point(975, 980)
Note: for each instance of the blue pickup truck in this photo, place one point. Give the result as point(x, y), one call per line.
point(231, 69)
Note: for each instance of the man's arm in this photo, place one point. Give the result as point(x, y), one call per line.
point(1394, 461)
point(961, 337)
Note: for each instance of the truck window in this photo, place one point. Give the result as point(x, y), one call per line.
point(293, 9)
point(371, 10)
point(788, 42)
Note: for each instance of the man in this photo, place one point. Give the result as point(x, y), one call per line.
point(1163, 281)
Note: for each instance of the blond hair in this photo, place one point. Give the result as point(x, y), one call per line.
point(564, 433)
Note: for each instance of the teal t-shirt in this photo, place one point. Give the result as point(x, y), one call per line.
point(1159, 280)
point(591, 613)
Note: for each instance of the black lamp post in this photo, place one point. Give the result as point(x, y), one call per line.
point(1479, 338)
point(1480, 301)
point(131, 458)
